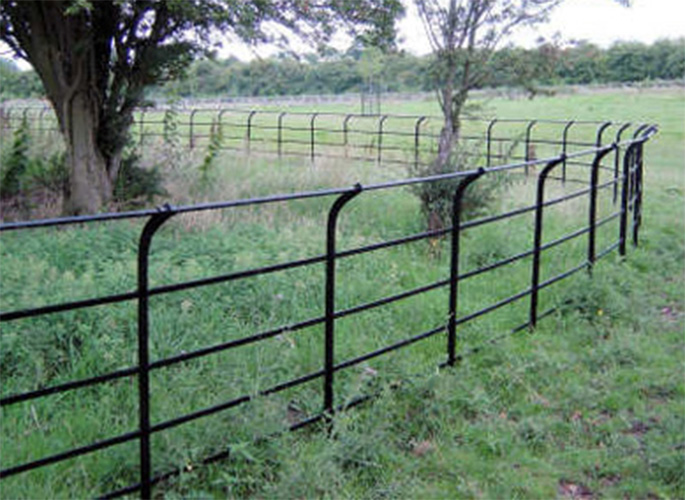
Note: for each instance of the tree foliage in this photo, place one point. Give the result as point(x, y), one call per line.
point(95, 59)
point(16, 83)
point(340, 72)
point(464, 35)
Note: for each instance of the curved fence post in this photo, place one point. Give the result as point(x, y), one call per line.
point(417, 135)
point(633, 173)
point(617, 158)
point(345, 131)
point(151, 227)
point(639, 130)
point(312, 138)
point(564, 149)
point(488, 158)
point(329, 339)
point(628, 162)
point(454, 264)
point(600, 132)
point(280, 133)
point(594, 181)
point(529, 130)
point(381, 121)
point(537, 239)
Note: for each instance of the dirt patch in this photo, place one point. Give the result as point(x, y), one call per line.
point(569, 489)
point(638, 428)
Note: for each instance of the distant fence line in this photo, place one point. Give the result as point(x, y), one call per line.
point(621, 161)
point(383, 138)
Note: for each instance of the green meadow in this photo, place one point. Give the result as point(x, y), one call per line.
point(590, 404)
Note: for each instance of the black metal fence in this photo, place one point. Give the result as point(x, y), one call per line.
point(384, 138)
point(621, 162)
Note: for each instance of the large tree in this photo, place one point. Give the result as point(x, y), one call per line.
point(95, 58)
point(464, 35)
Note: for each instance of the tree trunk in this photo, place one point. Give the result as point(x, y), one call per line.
point(90, 180)
point(449, 135)
point(445, 141)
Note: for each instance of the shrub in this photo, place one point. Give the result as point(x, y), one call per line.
point(17, 163)
point(137, 186)
point(28, 182)
point(51, 174)
point(216, 138)
point(436, 197)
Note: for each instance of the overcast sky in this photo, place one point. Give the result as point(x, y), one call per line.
point(599, 21)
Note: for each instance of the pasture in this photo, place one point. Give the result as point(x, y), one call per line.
point(590, 404)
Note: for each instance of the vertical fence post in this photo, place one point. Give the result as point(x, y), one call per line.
point(633, 176)
point(537, 239)
point(141, 126)
point(280, 133)
point(594, 181)
point(192, 128)
point(345, 132)
point(488, 159)
point(417, 135)
point(628, 161)
point(249, 130)
point(152, 225)
point(564, 149)
point(637, 207)
point(312, 137)
point(639, 186)
point(617, 158)
point(329, 342)
point(529, 130)
point(381, 121)
point(454, 264)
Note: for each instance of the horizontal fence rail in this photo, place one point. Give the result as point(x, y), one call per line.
point(621, 160)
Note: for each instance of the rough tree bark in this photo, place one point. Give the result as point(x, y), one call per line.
point(92, 173)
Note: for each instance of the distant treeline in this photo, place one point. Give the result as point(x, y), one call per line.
point(343, 72)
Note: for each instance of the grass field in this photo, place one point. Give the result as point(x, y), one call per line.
point(590, 405)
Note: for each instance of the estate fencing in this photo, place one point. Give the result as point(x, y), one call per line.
point(385, 138)
point(621, 160)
